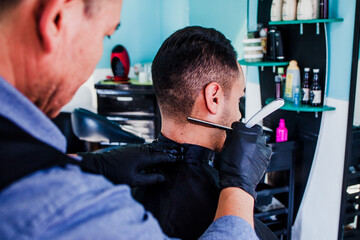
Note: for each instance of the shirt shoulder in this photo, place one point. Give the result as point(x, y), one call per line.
point(65, 203)
point(220, 229)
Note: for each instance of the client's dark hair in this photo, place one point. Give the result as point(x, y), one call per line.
point(186, 62)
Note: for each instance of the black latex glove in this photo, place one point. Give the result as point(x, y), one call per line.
point(244, 158)
point(127, 165)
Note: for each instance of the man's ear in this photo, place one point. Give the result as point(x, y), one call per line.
point(214, 96)
point(50, 23)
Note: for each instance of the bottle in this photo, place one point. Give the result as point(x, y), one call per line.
point(297, 97)
point(321, 9)
point(271, 45)
point(315, 90)
point(278, 82)
point(305, 87)
point(279, 49)
point(305, 10)
point(292, 80)
point(324, 9)
point(315, 9)
point(263, 36)
point(276, 10)
point(283, 82)
point(281, 132)
point(289, 10)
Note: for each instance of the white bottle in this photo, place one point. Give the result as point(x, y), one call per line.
point(305, 10)
point(315, 9)
point(289, 10)
point(276, 10)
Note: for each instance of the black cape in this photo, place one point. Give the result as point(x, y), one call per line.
point(186, 203)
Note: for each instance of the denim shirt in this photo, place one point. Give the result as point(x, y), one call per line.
point(66, 203)
point(17, 108)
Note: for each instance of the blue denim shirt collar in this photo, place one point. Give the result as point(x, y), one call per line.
point(21, 111)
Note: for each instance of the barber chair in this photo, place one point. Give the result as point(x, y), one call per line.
point(94, 128)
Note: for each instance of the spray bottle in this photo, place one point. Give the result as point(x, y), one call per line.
point(281, 132)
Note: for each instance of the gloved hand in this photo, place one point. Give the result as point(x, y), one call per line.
point(126, 165)
point(244, 158)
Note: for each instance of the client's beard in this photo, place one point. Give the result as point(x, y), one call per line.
point(218, 136)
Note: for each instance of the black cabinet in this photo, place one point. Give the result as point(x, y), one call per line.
point(274, 205)
point(351, 223)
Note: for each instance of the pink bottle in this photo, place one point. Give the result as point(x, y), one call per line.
point(281, 132)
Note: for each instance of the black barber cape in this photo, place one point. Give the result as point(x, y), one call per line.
point(21, 154)
point(186, 203)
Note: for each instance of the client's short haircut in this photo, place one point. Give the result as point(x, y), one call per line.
point(186, 62)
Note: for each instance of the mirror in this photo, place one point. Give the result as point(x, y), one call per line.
point(356, 122)
point(349, 227)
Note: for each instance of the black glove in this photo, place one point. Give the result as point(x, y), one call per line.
point(126, 165)
point(244, 159)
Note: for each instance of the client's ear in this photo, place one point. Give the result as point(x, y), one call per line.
point(50, 23)
point(214, 96)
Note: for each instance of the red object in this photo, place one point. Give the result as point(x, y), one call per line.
point(120, 63)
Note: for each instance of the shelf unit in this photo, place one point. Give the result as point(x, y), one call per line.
point(289, 106)
point(279, 220)
point(311, 21)
point(311, 51)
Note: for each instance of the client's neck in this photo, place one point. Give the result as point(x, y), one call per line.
point(192, 134)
